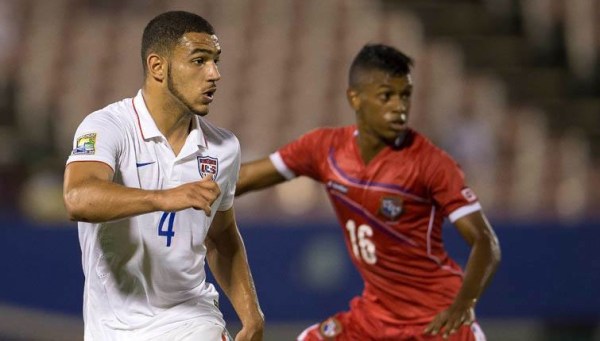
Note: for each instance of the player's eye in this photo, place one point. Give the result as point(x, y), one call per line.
point(198, 61)
point(385, 96)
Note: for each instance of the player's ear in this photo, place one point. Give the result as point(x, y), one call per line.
point(156, 66)
point(353, 98)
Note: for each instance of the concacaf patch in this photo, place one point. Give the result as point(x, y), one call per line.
point(391, 207)
point(208, 165)
point(330, 328)
point(85, 145)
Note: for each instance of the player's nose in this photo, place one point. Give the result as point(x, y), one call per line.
point(213, 73)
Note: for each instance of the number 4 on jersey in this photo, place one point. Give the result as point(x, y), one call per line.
point(362, 246)
point(169, 233)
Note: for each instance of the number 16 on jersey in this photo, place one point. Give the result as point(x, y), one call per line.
point(362, 246)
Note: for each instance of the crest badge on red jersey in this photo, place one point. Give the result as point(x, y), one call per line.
point(391, 207)
point(330, 328)
point(208, 165)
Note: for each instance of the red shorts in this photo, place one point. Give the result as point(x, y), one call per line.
point(345, 327)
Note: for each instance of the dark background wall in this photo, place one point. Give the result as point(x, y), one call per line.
point(303, 272)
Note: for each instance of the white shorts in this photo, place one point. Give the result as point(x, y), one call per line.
point(195, 330)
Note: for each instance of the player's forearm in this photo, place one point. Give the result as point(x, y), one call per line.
point(481, 266)
point(257, 175)
point(229, 264)
point(98, 201)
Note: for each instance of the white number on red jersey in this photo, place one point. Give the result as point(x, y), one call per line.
point(362, 246)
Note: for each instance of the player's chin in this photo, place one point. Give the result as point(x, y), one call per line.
point(392, 134)
point(201, 109)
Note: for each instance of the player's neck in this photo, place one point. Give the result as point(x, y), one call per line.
point(171, 120)
point(369, 146)
point(179, 133)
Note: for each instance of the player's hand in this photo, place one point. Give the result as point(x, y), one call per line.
point(199, 195)
point(250, 334)
point(450, 320)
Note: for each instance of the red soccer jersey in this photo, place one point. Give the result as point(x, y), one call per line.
point(391, 212)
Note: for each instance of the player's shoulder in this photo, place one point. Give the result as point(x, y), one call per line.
point(345, 130)
point(427, 149)
point(216, 134)
point(323, 134)
point(116, 115)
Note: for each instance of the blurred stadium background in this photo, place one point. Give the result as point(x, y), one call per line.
point(511, 88)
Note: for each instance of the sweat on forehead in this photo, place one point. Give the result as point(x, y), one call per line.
point(215, 41)
point(192, 39)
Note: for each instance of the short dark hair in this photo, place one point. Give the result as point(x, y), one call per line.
point(164, 31)
point(379, 57)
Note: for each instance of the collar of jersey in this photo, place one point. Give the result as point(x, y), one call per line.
point(150, 130)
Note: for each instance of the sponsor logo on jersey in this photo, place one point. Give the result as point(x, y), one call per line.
point(208, 165)
point(468, 194)
point(338, 187)
point(142, 164)
point(86, 145)
point(391, 207)
point(330, 328)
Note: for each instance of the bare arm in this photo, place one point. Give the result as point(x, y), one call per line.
point(226, 256)
point(482, 264)
point(257, 175)
point(484, 258)
point(90, 195)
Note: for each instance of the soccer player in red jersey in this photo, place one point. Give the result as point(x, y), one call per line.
point(391, 189)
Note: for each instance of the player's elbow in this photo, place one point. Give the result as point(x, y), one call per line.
point(74, 205)
point(497, 253)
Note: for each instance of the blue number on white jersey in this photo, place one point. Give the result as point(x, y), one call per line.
point(169, 233)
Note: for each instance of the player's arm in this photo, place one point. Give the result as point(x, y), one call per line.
point(90, 195)
point(484, 258)
point(481, 265)
point(257, 175)
point(226, 256)
point(301, 157)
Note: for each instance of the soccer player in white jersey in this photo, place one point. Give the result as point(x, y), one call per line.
point(151, 183)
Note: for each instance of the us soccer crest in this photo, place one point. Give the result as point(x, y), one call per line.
point(391, 207)
point(208, 165)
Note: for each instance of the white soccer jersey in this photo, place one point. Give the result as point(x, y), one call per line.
point(145, 274)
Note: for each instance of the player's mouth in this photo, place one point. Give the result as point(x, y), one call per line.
point(397, 122)
point(396, 126)
point(208, 95)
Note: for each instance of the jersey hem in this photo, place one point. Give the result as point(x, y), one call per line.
point(281, 167)
point(95, 159)
point(463, 211)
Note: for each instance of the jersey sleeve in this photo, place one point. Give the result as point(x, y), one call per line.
point(302, 156)
point(448, 189)
point(98, 138)
point(229, 191)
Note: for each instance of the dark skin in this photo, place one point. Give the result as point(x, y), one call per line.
point(380, 100)
point(177, 86)
point(382, 105)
